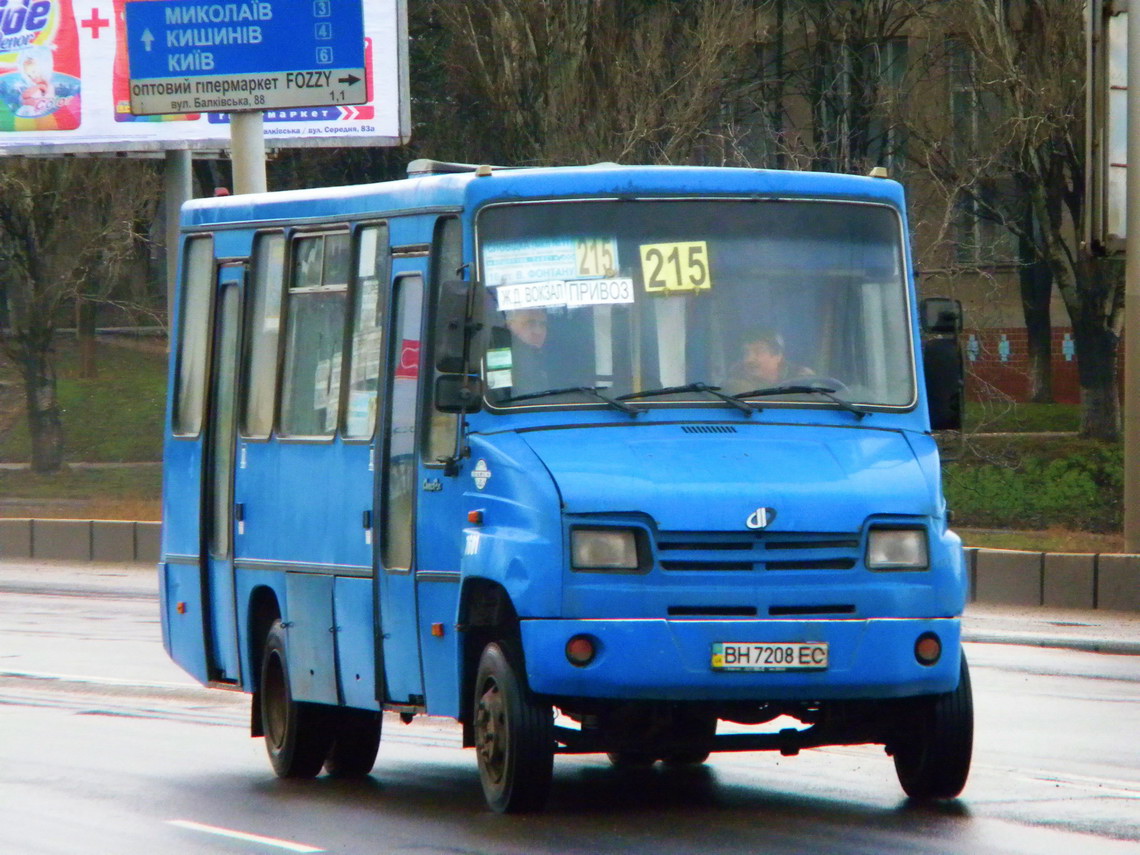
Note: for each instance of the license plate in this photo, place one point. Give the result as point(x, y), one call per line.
point(754, 656)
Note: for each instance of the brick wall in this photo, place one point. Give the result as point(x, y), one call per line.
point(997, 365)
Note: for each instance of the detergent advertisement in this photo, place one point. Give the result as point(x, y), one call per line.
point(65, 83)
point(40, 81)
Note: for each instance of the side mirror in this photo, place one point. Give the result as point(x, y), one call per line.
point(941, 316)
point(458, 393)
point(945, 375)
point(457, 317)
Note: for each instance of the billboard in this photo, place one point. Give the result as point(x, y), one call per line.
point(1106, 178)
point(65, 86)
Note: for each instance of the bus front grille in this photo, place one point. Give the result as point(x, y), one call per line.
point(735, 552)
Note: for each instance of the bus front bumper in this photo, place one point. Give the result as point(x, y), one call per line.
point(655, 659)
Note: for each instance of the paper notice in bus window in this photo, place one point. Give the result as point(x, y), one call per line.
point(369, 298)
point(596, 257)
point(367, 264)
point(499, 379)
point(361, 411)
point(550, 260)
point(668, 268)
point(568, 293)
point(327, 392)
point(498, 359)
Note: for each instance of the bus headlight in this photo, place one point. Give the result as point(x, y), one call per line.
point(897, 549)
point(604, 549)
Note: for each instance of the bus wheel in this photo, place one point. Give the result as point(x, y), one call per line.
point(296, 736)
point(631, 759)
point(692, 728)
point(935, 741)
point(356, 739)
point(514, 734)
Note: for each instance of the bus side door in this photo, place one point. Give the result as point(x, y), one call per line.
point(396, 484)
point(218, 479)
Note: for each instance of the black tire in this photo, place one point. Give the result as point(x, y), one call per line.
point(934, 742)
point(355, 741)
point(514, 734)
point(631, 759)
point(699, 729)
point(297, 738)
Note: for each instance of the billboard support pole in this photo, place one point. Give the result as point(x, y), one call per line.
point(1132, 300)
point(247, 151)
point(177, 188)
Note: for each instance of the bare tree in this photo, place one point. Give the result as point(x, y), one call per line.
point(66, 228)
point(544, 81)
point(842, 80)
point(980, 102)
point(1020, 163)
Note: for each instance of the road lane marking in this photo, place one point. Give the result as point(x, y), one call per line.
point(102, 681)
point(288, 845)
point(1104, 786)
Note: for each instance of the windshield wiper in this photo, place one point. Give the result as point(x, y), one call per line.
point(594, 391)
point(743, 406)
point(805, 389)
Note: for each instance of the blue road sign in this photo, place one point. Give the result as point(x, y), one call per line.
point(201, 56)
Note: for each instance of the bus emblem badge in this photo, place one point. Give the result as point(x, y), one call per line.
point(481, 474)
point(760, 518)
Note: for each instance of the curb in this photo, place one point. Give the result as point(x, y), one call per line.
point(116, 541)
point(1007, 577)
point(1070, 580)
point(1121, 647)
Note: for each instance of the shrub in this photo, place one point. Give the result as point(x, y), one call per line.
point(1077, 485)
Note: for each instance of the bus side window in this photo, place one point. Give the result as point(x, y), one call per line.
point(314, 337)
point(373, 263)
point(194, 337)
point(447, 256)
point(399, 470)
point(263, 333)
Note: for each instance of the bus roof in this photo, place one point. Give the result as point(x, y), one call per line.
point(470, 189)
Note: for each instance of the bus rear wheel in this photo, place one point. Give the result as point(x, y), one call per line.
point(934, 742)
point(514, 733)
point(355, 741)
point(296, 736)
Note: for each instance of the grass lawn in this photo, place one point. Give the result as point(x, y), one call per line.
point(114, 417)
point(1052, 540)
point(1019, 492)
point(120, 493)
point(1004, 417)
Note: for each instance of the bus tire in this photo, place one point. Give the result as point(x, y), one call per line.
point(297, 738)
point(631, 759)
point(514, 733)
point(935, 742)
point(356, 739)
point(691, 728)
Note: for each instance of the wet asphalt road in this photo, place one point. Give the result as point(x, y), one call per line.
point(106, 747)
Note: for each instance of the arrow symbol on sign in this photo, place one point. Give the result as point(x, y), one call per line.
point(147, 39)
point(351, 79)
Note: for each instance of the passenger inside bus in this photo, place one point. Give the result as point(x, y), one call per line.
point(528, 329)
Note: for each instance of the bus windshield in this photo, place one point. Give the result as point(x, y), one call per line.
point(759, 298)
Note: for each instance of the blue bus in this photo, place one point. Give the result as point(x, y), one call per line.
point(605, 459)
